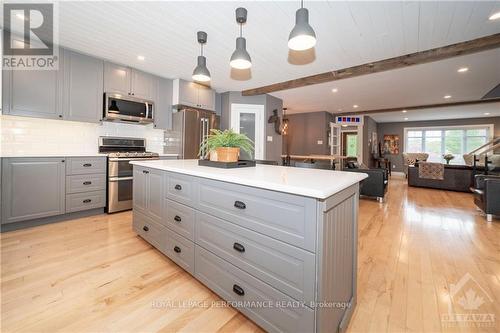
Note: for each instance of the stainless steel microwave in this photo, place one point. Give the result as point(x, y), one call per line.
point(128, 109)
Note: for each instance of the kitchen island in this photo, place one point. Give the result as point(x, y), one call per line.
point(277, 243)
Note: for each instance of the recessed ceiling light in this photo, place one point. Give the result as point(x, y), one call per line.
point(447, 96)
point(339, 109)
point(404, 111)
point(141, 58)
point(463, 69)
point(406, 118)
point(355, 106)
point(486, 113)
point(495, 16)
point(334, 90)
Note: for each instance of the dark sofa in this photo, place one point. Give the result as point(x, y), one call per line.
point(456, 178)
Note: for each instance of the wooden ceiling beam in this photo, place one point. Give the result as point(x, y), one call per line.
point(418, 107)
point(417, 58)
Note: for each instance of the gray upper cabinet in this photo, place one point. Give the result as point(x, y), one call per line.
point(32, 188)
point(83, 87)
point(34, 93)
point(163, 106)
point(193, 94)
point(128, 81)
point(116, 78)
point(206, 98)
point(143, 85)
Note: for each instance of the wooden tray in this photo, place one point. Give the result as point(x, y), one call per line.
point(227, 165)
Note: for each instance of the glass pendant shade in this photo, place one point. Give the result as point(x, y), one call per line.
point(240, 58)
point(302, 36)
point(201, 72)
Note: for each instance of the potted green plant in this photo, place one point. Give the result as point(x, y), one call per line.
point(224, 146)
point(448, 158)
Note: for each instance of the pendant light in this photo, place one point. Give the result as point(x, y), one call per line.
point(240, 58)
point(302, 36)
point(201, 72)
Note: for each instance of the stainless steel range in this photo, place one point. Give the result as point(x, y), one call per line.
point(120, 152)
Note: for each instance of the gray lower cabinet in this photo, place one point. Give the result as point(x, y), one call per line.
point(32, 188)
point(83, 87)
point(285, 261)
point(39, 187)
point(148, 192)
point(33, 93)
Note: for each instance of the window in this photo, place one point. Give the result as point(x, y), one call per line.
point(437, 141)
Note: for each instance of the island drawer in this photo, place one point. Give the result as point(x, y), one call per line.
point(85, 165)
point(181, 251)
point(152, 232)
point(179, 218)
point(180, 188)
point(286, 217)
point(285, 267)
point(82, 201)
point(85, 183)
point(268, 307)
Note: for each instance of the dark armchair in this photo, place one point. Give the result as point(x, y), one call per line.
point(487, 194)
point(376, 183)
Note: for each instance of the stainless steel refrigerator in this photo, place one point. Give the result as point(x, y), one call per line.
point(189, 128)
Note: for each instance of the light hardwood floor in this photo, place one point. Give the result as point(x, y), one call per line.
point(95, 275)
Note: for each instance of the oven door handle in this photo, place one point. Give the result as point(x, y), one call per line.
point(132, 159)
point(118, 179)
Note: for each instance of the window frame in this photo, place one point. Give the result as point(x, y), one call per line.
point(443, 129)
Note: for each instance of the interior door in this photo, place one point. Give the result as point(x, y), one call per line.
point(248, 119)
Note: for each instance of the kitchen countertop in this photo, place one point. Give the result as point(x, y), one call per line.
point(68, 155)
point(314, 183)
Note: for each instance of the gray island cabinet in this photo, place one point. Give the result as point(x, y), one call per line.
point(277, 243)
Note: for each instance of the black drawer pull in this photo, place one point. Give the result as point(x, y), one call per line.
point(177, 249)
point(238, 247)
point(87, 183)
point(87, 165)
point(240, 205)
point(177, 218)
point(87, 201)
point(145, 171)
point(178, 187)
point(145, 228)
point(238, 290)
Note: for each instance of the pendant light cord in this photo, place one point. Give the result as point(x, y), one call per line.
point(201, 48)
point(301, 3)
point(241, 29)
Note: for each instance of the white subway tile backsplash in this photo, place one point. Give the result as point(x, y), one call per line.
point(35, 136)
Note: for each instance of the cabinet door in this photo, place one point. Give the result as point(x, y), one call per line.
point(32, 188)
point(139, 193)
point(83, 86)
point(116, 78)
point(163, 106)
point(143, 85)
point(206, 98)
point(155, 194)
point(33, 93)
point(188, 93)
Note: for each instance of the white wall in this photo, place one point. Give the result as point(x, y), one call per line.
point(34, 136)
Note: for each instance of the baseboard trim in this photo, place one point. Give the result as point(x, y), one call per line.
point(51, 219)
point(398, 173)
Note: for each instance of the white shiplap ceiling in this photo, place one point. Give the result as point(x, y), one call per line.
point(349, 33)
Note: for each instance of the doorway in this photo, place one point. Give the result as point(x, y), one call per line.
point(350, 144)
point(248, 119)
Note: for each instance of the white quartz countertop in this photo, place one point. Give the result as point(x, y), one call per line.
point(314, 183)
